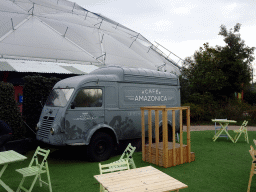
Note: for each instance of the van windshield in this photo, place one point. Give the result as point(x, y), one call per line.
point(59, 97)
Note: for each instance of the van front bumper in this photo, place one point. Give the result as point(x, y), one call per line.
point(57, 140)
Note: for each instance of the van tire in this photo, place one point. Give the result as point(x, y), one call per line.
point(101, 147)
point(169, 134)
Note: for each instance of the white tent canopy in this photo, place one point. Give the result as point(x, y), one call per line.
point(62, 31)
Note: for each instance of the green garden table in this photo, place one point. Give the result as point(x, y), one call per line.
point(223, 123)
point(7, 157)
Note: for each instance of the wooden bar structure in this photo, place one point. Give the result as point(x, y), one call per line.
point(166, 154)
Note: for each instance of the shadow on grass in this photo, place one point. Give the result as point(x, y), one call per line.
point(79, 153)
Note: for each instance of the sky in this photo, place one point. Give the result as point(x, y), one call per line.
point(181, 26)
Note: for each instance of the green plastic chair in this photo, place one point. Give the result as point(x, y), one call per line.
point(241, 130)
point(36, 169)
point(113, 167)
point(127, 155)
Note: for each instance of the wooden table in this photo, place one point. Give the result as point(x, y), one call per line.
point(139, 180)
point(223, 123)
point(7, 157)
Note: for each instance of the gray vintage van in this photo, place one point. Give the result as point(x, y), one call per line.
point(103, 107)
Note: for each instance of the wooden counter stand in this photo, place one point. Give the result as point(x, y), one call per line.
point(166, 154)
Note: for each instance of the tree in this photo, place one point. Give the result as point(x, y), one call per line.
point(203, 71)
point(235, 60)
point(220, 71)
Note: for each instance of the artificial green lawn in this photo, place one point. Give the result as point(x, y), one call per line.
point(219, 166)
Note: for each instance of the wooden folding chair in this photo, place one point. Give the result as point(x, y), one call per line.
point(36, 169)
point(113, 167)
point(253, 167)
point(127, 155)
point(241, 130)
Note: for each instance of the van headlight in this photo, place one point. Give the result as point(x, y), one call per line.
point(37, 126)
point(52, 131)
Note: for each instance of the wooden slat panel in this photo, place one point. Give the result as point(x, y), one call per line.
point(140, 179)
point(188, 134)
point(153, 107)
point(173, 136)
point(150, 133)
point(161, 156)
point(143, 133)
point(170, 154)
point(177, 108)
point(157, 133)
point(181, 138)
point(165, 137)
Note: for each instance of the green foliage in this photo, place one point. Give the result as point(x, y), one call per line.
point(235, 59)
point(196, 112)
point(251, 114)
point(234, 109)
point(201, 112)
point(202, 107)
point(250, 97)
point(185, 90)
point(203, 72)
point(9, 111)
point(221, 71)
point(36, 89)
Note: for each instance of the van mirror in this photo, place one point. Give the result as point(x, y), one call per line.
point(73, 105)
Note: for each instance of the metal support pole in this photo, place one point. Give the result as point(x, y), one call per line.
point(134, 40)
point(12, 24)
point(32, 8)
point(65, 32)
point(150, 48)
point(86, 15)
point(102, 38)
point(73, 7)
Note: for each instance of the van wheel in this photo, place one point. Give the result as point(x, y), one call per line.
point(169, 134)
point(101, 147)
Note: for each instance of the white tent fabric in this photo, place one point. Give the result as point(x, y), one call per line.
point(44, 67)
point(62, 31)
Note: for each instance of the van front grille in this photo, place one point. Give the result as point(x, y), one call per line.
point(45, 126)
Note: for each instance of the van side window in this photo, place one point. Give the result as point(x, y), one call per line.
point(89, 98)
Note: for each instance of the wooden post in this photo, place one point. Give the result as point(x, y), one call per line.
point(173, 138)
point(188, 134)
point(143, 134)
point(181, 138)
point(157, 134)
point(165, 137)
point(150, 135)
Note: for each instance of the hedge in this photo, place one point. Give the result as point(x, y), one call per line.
point(9, 111)
point(36, 89)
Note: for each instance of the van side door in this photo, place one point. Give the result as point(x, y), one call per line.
point(86, 111)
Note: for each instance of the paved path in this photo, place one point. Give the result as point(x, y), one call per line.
point(211, 127)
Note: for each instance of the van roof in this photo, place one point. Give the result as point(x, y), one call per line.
point(121, 74)
point(138, 75)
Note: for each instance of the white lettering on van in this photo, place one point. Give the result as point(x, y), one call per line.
point(85, 116)
point(141, 98)
point(149, 91)
point(150, 98)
